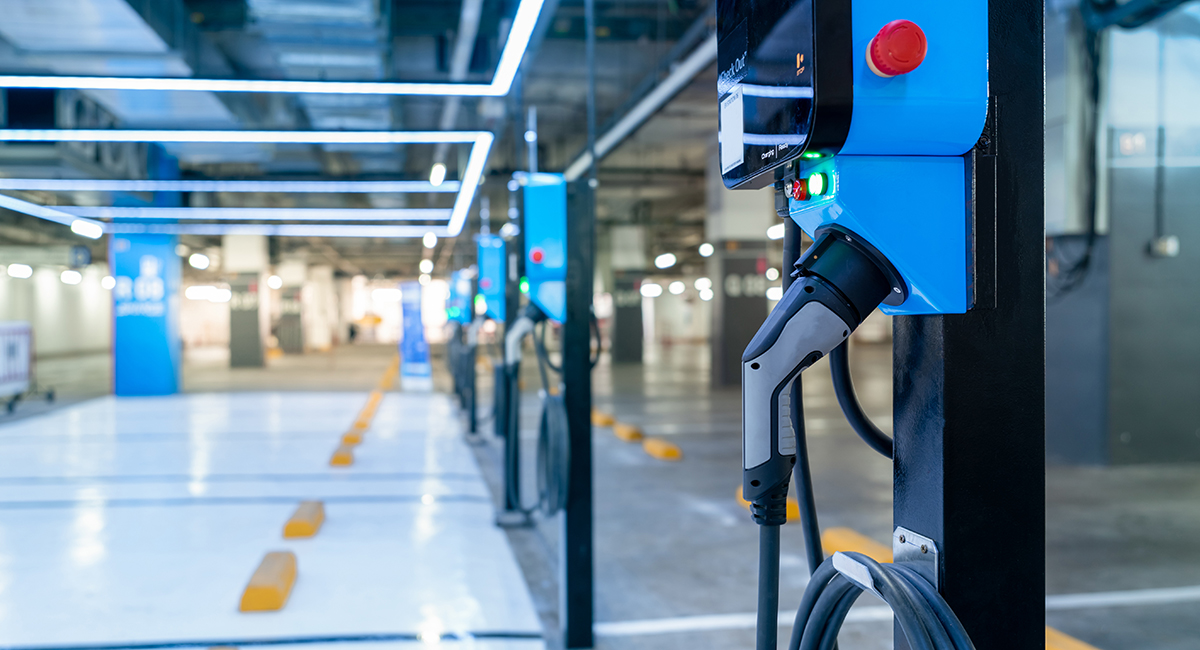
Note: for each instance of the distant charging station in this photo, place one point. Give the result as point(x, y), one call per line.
point(493, 273)
point(458, 305)
point(546, 242)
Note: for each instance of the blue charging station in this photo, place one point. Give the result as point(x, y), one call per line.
point(868, 133)
point(458, 305)
point(493, 273)
point(546, 242)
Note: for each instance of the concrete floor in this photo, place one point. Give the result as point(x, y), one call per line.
point(676, 554)
point(136, 522)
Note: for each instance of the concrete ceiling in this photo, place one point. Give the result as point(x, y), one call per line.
point(656, 177)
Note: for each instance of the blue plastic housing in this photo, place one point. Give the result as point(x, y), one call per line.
point(913, 209)
point(546, 242)
point(939, 108)
point(458, 305)
point(493, 269)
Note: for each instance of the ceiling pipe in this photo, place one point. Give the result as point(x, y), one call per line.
point(460, 64)
point(683, 74)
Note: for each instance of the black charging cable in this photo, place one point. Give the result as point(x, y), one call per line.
point(843, 388)
point(924, 617)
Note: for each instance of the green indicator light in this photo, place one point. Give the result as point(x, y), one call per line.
point(813, 154)
point(480, 300)
point(453, 312)
point(524, 286)
point(817, 184)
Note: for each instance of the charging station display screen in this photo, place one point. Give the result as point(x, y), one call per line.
point(767, 82)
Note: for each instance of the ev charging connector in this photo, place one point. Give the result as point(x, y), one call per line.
point(840, 281)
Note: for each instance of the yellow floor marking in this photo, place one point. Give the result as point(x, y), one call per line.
point(342, 456)
point(627, 432)
point(271, 583)
point(352, 437)
point(847, 539)
point(793, 513)
point(662, 449)
point(306, 521)
point(1056, 640)
point(601, 419)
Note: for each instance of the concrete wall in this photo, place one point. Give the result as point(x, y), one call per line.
point(66, 319)
point(1122, 353)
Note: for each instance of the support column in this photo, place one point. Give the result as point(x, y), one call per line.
point(737, 226)
point(576, 611)
point(628, 261)
point(146, 344)
point(970, 389)
point(291, 313)
point(245, 258)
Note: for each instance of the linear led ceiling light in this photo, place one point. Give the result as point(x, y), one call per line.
point(278, 230)
point(79, 226)
point(279, 187)
point(480, 141)
point(148, 213)
point(510, 59)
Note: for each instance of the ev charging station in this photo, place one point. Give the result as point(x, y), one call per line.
point(545, 263)
point(906, 140)
point(463, 342)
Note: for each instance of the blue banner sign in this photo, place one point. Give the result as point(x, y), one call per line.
point(416, 372)
point(146, 345)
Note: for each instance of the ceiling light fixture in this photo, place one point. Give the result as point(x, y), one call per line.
point(515, 46)
point(437, 174)
point(274, 230)
point(481, 142)
point(150, 213)
point(280, 187)
point(199, 261)
point(429, 240)
point(665, 261)
point(21, 271)
point(426, 266)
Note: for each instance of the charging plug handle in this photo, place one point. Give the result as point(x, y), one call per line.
point(840, 281)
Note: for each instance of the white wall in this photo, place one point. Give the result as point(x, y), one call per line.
point(203, 323)
point(66, 319)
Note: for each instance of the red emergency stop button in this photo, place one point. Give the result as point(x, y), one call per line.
point(897, 49)
point(537, 255)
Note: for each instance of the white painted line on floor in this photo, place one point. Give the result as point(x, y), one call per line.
point(1102, 599)
point(1131, 598)
point(720, 622)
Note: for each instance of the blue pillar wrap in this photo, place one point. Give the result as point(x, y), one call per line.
point(414, 350)
point(146, 345)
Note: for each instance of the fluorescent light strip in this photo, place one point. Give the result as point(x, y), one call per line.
point(282, 187)
point(510, 60)
point(259, 214)
point(476, 162)
point(470, 182)
point(280, 230)
point(81, 226)
point(238, 137)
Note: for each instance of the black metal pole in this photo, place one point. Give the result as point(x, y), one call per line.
point(576, 581)
point(970, 389)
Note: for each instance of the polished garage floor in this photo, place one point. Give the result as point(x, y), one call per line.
point(138, 522)
point(127, 522)
point(676, 556)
